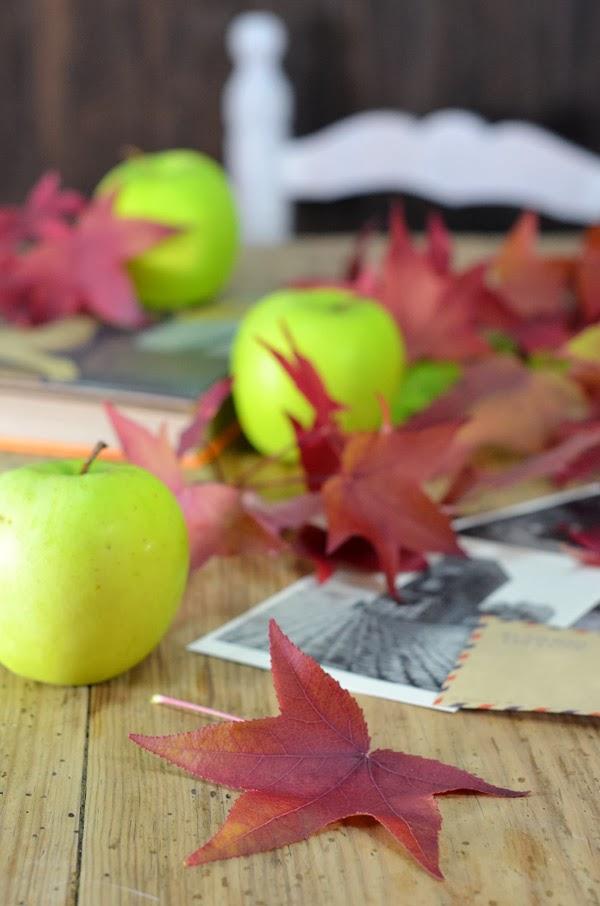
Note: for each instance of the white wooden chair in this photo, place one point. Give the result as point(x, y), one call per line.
point(451, 157)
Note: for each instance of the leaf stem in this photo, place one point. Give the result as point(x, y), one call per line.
point(98, 448)
point(181, 705)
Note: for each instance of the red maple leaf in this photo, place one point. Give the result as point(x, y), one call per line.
point(587, 276)
point(435, 309)
point(45, 211)
point(321, 442)
point(506, 405)
point(573, 456)
point(311, 766)
point(532, 285)
point(377, 494)
point(587, 551)
point(535, 292)
point(355, 553)
point(82, 268)
point(220, 519)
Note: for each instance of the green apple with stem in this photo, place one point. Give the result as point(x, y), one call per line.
point(183, 189)
point(353, 343)
point(93, 564)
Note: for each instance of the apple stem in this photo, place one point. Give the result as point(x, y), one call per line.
point(181, 705)
point(98, 448)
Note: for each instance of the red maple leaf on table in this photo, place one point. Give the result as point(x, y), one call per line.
point(220, 519)
point(311, 766)
point(536, 292)
point(507, 406)
point(588, 276)
point(321, 442)
point(588, 545)
point(82, 268)
point(378, 495)
point(435, 309)
point(45, 211)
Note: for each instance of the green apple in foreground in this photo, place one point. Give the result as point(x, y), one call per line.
point(353, 343)
point(188, 190)
point(92, 569)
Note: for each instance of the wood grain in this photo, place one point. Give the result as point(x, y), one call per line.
point(143, 816)
point(81, 80)
point(88, 819)
point(42, 760)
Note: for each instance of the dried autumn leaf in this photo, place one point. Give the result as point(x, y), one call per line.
point(525, 418)
point(508, 406)
point(355, 553)
point(533, 286)
point(321, 441)
point(83, 268)
point(311, 766)
point(45, 212)
point(434, 309)
point(221, 522)
point(588, 276)
point(220, 519)
point(205, 410)
point(307, 379)
point(147, 450)
point(574, 457)
point(587, 551)
point(377, 494)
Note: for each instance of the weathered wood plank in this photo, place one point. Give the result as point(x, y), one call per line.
point(42, 752)
point(143, 817)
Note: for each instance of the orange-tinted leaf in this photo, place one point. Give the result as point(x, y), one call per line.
point(588, 550)
point(508, 405)
point(524, 418)
point(205, 410)
point(311, 766)
point(434, 309)
point(533, 286)
point(588, 276)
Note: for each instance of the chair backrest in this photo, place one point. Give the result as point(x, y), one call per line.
point(451, 157)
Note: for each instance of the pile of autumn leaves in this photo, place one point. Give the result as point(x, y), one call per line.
point(525, 404)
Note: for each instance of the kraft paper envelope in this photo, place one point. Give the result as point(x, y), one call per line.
point(526, 667)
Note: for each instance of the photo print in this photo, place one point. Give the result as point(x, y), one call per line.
point(376, 646)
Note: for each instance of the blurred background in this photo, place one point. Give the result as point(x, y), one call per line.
point(80, 80)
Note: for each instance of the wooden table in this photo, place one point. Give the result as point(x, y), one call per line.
point(87, 818)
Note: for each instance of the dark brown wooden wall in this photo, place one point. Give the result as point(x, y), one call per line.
point(80, 79)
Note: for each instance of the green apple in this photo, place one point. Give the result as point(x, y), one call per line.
point(586, 344)
point(92, 569)
point(353, 342)
point(188, 190)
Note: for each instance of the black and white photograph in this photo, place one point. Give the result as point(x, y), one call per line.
point(404, 651)
point(541, 524)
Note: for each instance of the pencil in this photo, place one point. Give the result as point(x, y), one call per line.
point(27, 446)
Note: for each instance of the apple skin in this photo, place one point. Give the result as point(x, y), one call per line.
point(353, 342)
point(92, 569)
point(183, 189)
